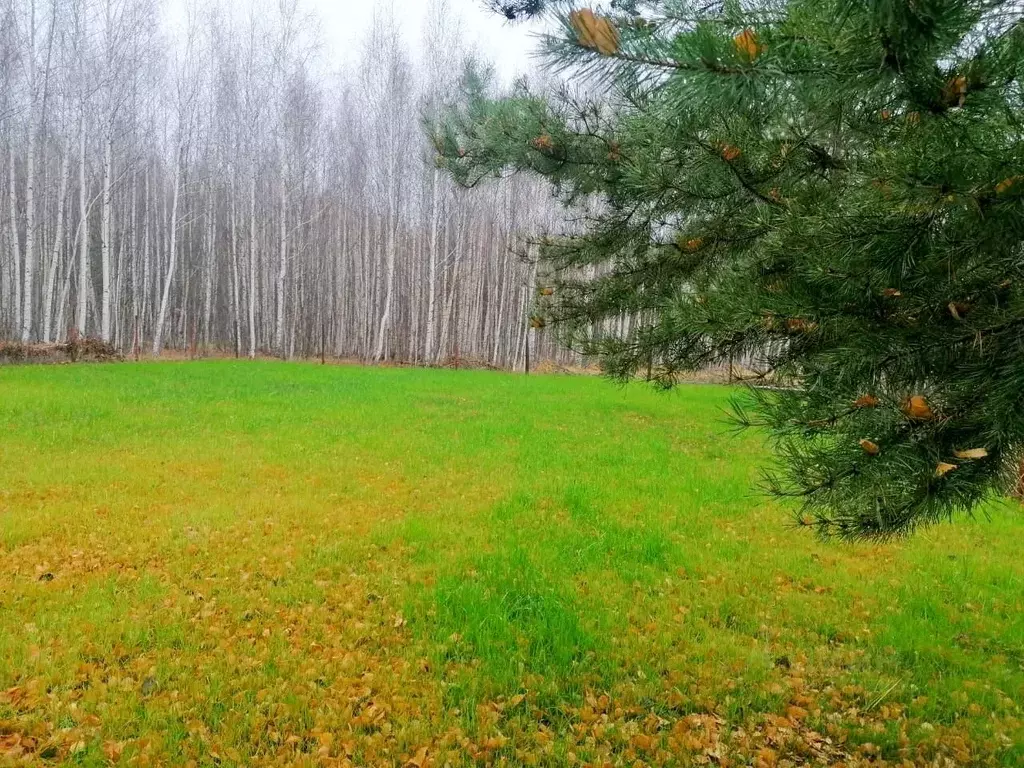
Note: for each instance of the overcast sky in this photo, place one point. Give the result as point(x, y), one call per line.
point(344, 23)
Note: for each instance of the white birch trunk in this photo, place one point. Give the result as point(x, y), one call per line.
point(389, 286)
point(15, 246)
point(282, 267)
point(27, 293)
point(235, 286)
point(147, 254)
point(252, 266)
point(428, 345)
point(105, 235)
point(208, 267)
point(172, 256)
point(81, 316)
point(58, 238)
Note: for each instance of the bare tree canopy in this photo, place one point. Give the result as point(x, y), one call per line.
point(209, 188)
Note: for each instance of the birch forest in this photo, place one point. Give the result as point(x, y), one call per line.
point(213, 181)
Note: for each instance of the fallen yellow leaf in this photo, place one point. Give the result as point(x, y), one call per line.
point(418, 760)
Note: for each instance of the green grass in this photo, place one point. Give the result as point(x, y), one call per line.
point(268, 563)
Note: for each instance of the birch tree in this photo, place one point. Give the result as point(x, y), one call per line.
point(186, 91)
point(227, 188)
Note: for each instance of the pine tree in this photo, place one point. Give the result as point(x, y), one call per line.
point(835, 187)
point(516, 9)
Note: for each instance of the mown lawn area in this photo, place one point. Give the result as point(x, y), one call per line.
point(235, 563)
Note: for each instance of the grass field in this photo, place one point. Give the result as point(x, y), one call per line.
point(267, 563)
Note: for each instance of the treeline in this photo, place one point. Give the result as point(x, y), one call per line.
point(211, 184)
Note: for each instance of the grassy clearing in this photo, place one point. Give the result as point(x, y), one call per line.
point(237, 564)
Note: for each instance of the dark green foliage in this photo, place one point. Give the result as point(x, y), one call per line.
point(522, 9)
point(835, 189)
point(516, 9)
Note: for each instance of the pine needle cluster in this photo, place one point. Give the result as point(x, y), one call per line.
point(834, 188)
